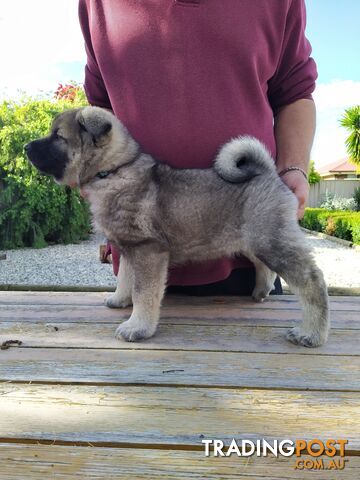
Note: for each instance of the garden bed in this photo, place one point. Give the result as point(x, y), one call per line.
point(336, 223)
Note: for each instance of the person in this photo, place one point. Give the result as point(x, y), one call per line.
point(185, 76)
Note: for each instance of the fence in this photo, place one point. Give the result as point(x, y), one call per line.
point(340, 188)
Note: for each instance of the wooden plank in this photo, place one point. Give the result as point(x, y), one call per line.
point(228, 338)
point(174, 415)
point(97, 298)
point(67, 462)
point(184, 315)
point(206, 369)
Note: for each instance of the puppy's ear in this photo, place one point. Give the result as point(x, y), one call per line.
point(95, 121)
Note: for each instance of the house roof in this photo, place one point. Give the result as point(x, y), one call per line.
point(340, 166)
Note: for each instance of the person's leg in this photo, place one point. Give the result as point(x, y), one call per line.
point(240, 282)
point(278, 290)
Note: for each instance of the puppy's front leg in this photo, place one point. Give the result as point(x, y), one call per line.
point(150, 272)
point(125, 279)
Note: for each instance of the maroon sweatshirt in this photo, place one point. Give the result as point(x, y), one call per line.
point(187, 76)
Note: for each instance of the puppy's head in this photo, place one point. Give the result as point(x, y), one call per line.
point(81, 144)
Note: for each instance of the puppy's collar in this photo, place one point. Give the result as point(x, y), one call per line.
point(105, 173)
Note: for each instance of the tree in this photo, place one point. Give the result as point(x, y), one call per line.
point(351, 121)
point(71, 92)
point(35, 210)
point(313, 175)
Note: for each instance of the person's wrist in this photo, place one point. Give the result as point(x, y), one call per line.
point(292, 168)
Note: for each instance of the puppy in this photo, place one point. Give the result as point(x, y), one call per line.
point(160, 216)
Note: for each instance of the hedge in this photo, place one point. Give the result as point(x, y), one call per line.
point(345, 225)
point(34, 210)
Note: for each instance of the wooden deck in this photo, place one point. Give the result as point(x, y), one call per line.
point(77, 403)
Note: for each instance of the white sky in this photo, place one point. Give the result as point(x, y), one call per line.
point(331, 99)
point(36, 38)
point(40, 40)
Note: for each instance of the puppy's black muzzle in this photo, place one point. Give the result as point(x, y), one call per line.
point(46, 157)
point(36, 153)
point(28, 148)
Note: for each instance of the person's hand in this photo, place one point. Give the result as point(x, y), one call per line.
point(298, 184)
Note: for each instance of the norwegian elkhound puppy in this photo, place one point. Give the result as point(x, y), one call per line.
point(160, 216)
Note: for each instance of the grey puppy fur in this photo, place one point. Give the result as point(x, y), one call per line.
point(160, 216)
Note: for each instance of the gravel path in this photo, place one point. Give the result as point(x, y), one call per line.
point(75, 264)
point(79, 265)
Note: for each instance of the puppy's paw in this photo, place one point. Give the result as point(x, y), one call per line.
point(134, 330)
point(115, 301)
point(298, 336)
point(259, 294)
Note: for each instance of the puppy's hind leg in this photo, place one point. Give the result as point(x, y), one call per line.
point(125, 280)
point(265, 279)
point(313, 297)
point(294, 263)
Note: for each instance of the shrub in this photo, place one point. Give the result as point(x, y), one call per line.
point(34, 210)
point(330, 228)
point(357, 198)
point(348, 228)
point(345, 225)
point(313, 176)
point(317, 218)
point(333, 202)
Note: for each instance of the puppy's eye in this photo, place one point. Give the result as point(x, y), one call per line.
point(58, 136)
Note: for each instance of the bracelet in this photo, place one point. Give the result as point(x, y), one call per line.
point(290, 169)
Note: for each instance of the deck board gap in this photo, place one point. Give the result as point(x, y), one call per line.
point(173, 385)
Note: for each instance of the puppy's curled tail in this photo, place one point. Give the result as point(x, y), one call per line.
point(242, 159)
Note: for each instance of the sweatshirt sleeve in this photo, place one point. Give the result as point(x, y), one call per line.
point(296, 72)
point(94, 85)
